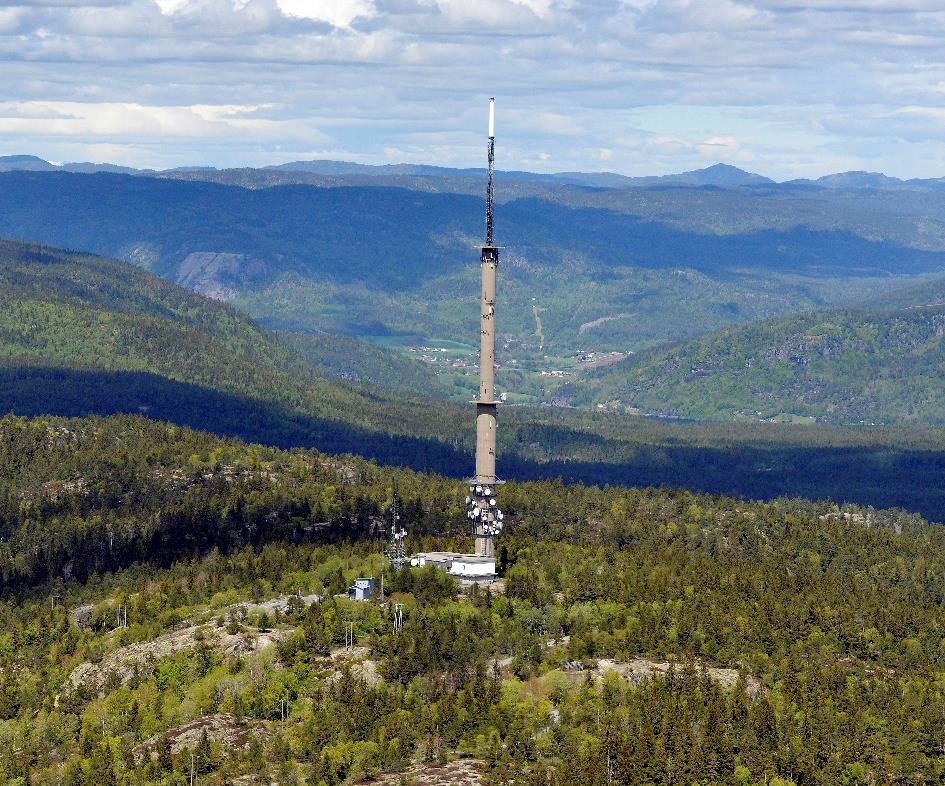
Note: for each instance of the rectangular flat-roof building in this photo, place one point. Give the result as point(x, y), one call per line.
point(468, 567)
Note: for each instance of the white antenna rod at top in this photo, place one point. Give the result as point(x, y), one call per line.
point(490, 196)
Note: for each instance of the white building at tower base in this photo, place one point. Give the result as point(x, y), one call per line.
point(466, 567)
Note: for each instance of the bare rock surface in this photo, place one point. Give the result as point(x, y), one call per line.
point(224, 729)
point(217, 274)
point(463, 772)
point(344, 654)
point(125, 661)
point(278, 604)
point(366, 670)
point(81, 615)
point(639, 669)
point(358, 663)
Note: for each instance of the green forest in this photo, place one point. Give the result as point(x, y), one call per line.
point(614, 268)
point(83, 335)
point(170, 612)
point(853, 366)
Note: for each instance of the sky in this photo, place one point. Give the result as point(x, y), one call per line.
point(786, 88)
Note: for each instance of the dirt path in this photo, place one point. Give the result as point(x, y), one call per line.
point(601, 320)
point(538, 330)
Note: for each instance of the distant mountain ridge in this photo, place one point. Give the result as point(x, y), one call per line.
point(721, 175)
point(717, 175)
point(873, 181)
point(28, 163)
point(25, 163)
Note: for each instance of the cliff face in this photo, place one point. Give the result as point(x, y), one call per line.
point(219, 275)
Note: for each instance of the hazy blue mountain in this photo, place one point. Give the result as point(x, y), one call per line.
point(872, 180)
point(859, 180)
point(716, 175)
point(722, 175)
point(584, 270)
point(328, 167)
point(25, 163)
point(87, 167)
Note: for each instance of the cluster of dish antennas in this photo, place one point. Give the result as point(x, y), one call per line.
point(484, 510)
point(397, 551)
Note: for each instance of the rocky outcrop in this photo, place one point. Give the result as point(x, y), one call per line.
point(217, 274)
point(224, 729)
point(120, 665)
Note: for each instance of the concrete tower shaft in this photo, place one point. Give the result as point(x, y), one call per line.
point(483, 508)
point(486, 408)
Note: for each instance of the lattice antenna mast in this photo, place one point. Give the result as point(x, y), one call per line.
point(490, 191)
point(396, 550)
point(482, 507)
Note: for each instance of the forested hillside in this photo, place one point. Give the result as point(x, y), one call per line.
point(607, 269)
point(877, 366)
point(81, 335)
point(352, 360)
point(169, 613)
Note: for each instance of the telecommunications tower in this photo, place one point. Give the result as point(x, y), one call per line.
point(395, 550)
point(483, 510)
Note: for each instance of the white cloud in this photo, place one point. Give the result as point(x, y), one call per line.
point(809, 84)
point(139, 122)
point(340, 13)
point(170, 6)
